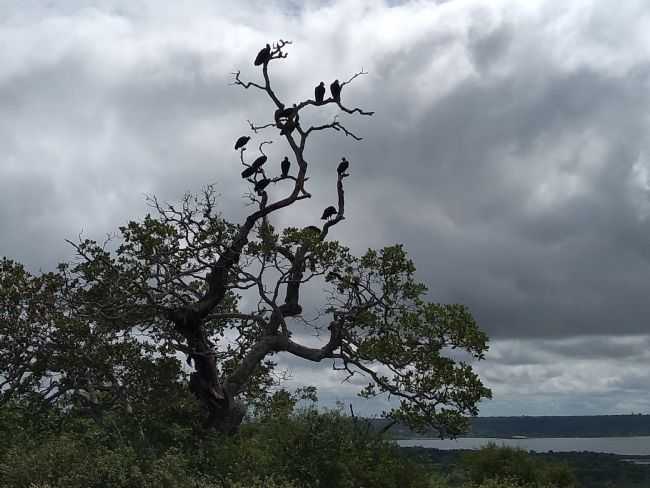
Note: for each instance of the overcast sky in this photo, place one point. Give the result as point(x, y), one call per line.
point(510, 153)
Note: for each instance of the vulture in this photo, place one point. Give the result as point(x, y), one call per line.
point(241, 142)
point(343, 166)
point(319, 93)
point(285, 165)
point(291, 116)
point(257, 164)
point(288, 127)
point(286, 113)
point(248, 172)
point(278, 113)
point(263, 56)
point(328, 212)
point(335, 88)
point(260, 185)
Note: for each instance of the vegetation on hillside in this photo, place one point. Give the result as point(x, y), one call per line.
point(279, 446)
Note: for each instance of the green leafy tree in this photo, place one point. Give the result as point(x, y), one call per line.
point(106, 332)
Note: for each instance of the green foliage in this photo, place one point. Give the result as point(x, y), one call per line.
point(280, 448)
point(493, 462)
point(91, 336)
point(504, 463)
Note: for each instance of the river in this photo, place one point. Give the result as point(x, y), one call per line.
point(627, 446)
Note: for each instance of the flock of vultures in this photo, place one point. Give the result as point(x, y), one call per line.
point(286, 119)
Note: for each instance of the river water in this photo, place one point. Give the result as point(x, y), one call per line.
point(627, 446)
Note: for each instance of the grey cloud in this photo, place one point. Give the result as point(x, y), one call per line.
point(508, 156)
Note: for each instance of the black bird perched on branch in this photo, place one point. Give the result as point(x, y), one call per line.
point(319, 93)
point(286, 113)
point(335, 88)
point(241, 142)
point(328, 212)
point(278, 113)
point(288, 127)
point(343, 166)
point(291, 116)
point(285, 165)
point(248, 172)
point(257, 164)
point(254, 168)
point(263, 56)
point(260, 185)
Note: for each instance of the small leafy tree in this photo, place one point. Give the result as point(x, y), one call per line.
point(107, 330)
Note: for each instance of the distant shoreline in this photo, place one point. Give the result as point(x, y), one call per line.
point(516, 438)
point(636, 446)
point(635, 457)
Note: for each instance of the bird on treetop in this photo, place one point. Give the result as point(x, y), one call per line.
point(248, 172)
point(328, 212)
point(241, 142)
point(260, 185)
point(319, 93)
point(263, 56)
point(335, 88)
point(288, 127)
point(286, 113)
point(257, 164)
point(343, 166)
point(285, 165)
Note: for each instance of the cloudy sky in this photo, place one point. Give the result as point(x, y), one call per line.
point(510, 153)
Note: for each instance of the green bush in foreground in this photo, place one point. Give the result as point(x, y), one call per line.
point(494, 462)
point(279, 448)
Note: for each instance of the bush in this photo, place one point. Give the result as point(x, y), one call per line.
point(494, 466)
point(279, 449)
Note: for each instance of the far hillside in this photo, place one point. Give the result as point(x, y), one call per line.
point(565, 426)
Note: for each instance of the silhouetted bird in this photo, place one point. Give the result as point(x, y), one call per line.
point(335, 88)
point(288, 127)
point(328, 212)
point(285, 165)
point(248, 172)
point(278, 112)
point(291, 119)
point(343, 166)
point(241, 142)
point(263, 56)
point(286, 113)
point(257, 164)
point(319, 93)
point(260, 185)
